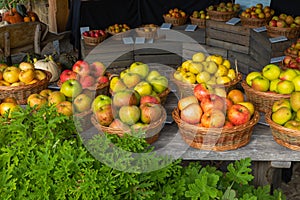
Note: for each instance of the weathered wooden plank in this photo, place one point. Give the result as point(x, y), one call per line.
point(228, 37)
point(237, 29)
point(198, 35)
point(227, 45)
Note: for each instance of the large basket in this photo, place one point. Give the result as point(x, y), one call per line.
point(263, 101)
point(253, 22)
point(151, 131)
point(175, 21)
point(83, 120)
point(221, 16)
point(94, 40)
point(215, 139)
point(284, 136)
point(197, 21)
point(290, 33)
point(21, 93)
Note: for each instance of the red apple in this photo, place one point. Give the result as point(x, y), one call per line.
point(192, 113)
point(185, 101)
point(213, 119)
point(281, 24)
point(87, 81)
point(104, 115)
point(273, 23)
point(150, 112)
point(228, 124)
point(228, 103)
point(201, 91)
point(238, 114)
point(97, 69)
point(67, 74)
point(103, 79)
point(287, 60)
point(81, 67)
point(212, 102)
point(150, 99)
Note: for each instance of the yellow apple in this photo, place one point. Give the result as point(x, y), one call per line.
point(39, 74)
point(248, 105)
point(11, 74)
point(26, 76)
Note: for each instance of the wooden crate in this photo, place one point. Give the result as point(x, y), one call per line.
point(262, 50)
point(197, 36)
point(234, 38)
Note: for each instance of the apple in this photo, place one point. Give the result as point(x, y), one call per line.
point(281, 24)
point(201, 91)
point(149, 99)
point(295, 101)
point(251, 76)
point(260, 83)
point(26, 76)
point(81, 67)
point(82, 103)
point(281, 103)
point(189, 78)
point(26, 65)
point(152, 74)
point(271, 71)
point(297, 117)
point(97, 69)
point(288, 74)
point(139, 126)
point(118, 124)
point(67, 74)
point(87, 81)
point(102, 79)
point(292, 124)
point(211, 68)
point(143, 88)
point(11, 74)
point(238, 114)
point(287, 60)
point(273, 23)
point(36, 100)
point(296, 82)
point(248, 105)
point(65, 108)
point(104, 115)
point(46, 92)
point(228, 124)
point(192, 113)
point(202, 77)
point(131, 79)
point(150, 112)
point(285, 87)
point(213, 119)
point(273, 85)
point(10, 100)
point(124, 98)
point(159, 84)
point(195, 67)
point(198, 57)
point(282, 115)
point(3, 66)
point(6, 108)
point(282, 16)
point(228, 103)
point(100, 101)
point(71, 88)
point(39, 74)
point(116, 85)
point(220, 92)
point(139, 68)
point(56, 97)
point(185, 101)
point(129, 114)
point(236, 96)
point(212, 102)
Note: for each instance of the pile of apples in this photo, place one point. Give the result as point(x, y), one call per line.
point(8, 105)
point(285, 21)
point(24, 74)
point(200, 14)
point(212, 69)
point(88, 75)
point(94, 33)
point(209, 110)
point(294, 49)
point(118, 28)
point(176, 13)
point(225, 7)
point(140, 78)
point(291, 62)
point(286, 112)
point(258, 11)
point(274, 79)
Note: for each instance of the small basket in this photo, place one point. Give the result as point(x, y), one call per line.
point(151, 131)
point(94, 40)
point(197, 21)
point(83, 120)
point(21, 93)
point(263, 101)
point(289, 33)
point(142, 33)
point(284, 136)
point(253, 22)
point(175, 21)
point(221, 16)
point(215, 139)
point(120, 35)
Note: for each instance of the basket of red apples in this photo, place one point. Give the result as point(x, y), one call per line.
point(293, 50)
point(284, 25)
point(211, 122)
point(223, 11)
point(284, 121)
point(94, 37)
point(291, 62)
point(176, 17)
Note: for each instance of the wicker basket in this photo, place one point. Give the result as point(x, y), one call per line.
point(175, 21)
point(151, 131)
point(83, 120)
point(284, 136)
point(289, 33)
point(263, 101)
point(216, 139)
point(21, 93)
point(186, 89)
point(288, 54)
point(197, 21)
point(142, 33)
point(221, 16)
point(119, 36)
point(93, 40)
point(253, 22)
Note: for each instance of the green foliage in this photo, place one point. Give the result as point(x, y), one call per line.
point(43, 157)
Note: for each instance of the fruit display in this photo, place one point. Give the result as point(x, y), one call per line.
point(291, 62)
point(147, 31)
point(198, 18)
point(224, 7)
point(284, 21)
point(258, 12)
point(117, 28)
point(294, 49)
point(175, 16)
point(7, 106)
point(176, 13)
point(94, 37)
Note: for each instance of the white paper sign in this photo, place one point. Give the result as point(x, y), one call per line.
point(277, 59)
point(127, 40)
point(140, 40)
point(260, 29)
point(166, 26)
point(83, 29)
point(190, 27)
point(233, 21)
point(278, 39)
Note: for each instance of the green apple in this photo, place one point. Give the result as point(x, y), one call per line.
point(288, 74)
point(129, 114)
point(273, 85)
point(152, 74)
point(271, 71)
point(251, 76)
point(211, 68)
point(116, 84)
point(139, 68)
point(143, 88)
point(71, 88)
point(100, 101)
point(203, 77)
point(292, 124)
point(296, 82)
point(82, 103)
point(281, 103)
point(125, 98)
point(56, 97)
point(195, 67)
point(131, 79)
point(282, 115)
point(285, 87)
point(260, 83)
point(159, 84)
point(295, 101)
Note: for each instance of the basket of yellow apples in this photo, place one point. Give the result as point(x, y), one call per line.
point(284, 121)
point(118, 31)
point(176, 17)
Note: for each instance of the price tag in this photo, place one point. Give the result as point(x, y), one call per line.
point(53, 86)
point(260, 29)
point(233, 21)
point(83, 29)
point(150, 41)
point(127, 40)
point(277, 59)
point(278, 39)
point(166, 26)
point(139, 40)
point(190, 27)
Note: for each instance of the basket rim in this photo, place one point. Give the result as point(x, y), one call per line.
point(282, 28)
point(102, 36)
point(166, 17)
point(219, 12)
point(288, 54)
point(120, 33)
point(252, 19)
point(196, 19)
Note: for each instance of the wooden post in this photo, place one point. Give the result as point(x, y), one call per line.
point(37, 39)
